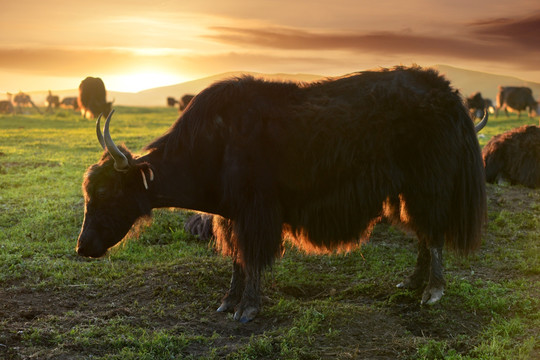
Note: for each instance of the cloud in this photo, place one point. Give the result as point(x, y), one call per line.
point(470, 45)
point(524, 31)
point(48, 61)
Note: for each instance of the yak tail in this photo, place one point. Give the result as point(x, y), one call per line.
point(468, 204)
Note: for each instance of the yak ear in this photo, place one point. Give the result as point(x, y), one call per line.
point(147, 174)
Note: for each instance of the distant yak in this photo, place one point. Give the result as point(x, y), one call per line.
point(319, 163)
point(69, 102)
point(514, 156)
point(52, 101)
point(93, 98)
point(517, 98)
point(478, 104)
point(171, 101)
point(6, 106)
point(182, 103)
point(24, 100)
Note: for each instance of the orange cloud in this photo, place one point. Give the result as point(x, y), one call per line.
point(471, 44)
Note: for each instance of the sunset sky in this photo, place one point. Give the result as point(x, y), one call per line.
point(136, 44)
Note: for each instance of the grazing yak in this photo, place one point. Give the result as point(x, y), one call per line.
point(52, 101)
point(70, 102)
point(182, 104)
point(6, 106)
point(171, 102)
point(514, 156)
point(92, 98)
point(24, 100)
point(184, 101)
point(317, 163)
point(517, 98)
point(478, 104)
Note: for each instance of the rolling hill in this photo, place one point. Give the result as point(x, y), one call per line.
point(467, 81)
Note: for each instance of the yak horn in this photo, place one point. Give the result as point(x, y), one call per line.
point(98, 133)
point(120, 160)
point(483, 122)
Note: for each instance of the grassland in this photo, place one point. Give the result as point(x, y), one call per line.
point(154, 297)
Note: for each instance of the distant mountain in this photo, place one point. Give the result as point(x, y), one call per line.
point(158, 96)
point(467, 81)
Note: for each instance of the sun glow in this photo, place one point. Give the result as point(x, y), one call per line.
point(140, 81)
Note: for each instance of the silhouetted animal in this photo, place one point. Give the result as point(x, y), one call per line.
point(70, 102)
point(52, 101)
point(514, 156)
point(320, 163)
point(24, 100)
point(6, 107)
point(171, 101)
point(478, 105)
point(200, 225)
point(184, 101)
point(92, 98)
point(517, 98)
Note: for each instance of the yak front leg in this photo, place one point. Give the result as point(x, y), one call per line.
point(234, 295)
point(250, 304)
point(243, 296)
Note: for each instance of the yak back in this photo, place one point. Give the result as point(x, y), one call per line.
point(323, 158)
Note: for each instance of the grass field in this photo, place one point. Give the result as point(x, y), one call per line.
point(155, 296)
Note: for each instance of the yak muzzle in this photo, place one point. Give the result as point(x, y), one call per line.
point(88, 247)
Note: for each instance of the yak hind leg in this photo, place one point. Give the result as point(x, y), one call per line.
point(434, 290)
point(428, 268)
point(421, 269)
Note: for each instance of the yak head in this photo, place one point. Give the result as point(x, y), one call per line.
point(115, 192)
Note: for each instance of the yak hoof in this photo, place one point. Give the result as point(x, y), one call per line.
point(402, 285)
point(410, 283)
point(432, 295)
point(246, 315)
point(223, 308)
point(226, 306)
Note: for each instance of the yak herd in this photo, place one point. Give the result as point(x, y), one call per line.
point(91, 100)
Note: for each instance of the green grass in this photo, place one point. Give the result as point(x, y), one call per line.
point(155, 295)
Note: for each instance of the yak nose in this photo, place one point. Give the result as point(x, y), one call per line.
point(89, 248)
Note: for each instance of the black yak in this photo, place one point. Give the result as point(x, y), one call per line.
point(171, 101)
point(6, 106)
point(52, 101)
point(24, 100)
point(517, 98)
point(69, 102)
point(184, 101)
point(317, 163)
point(514, 156)
point(92, 98)
point(477, 104)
